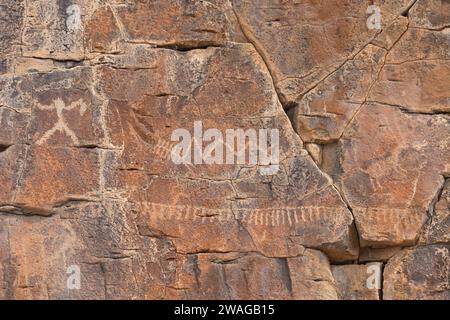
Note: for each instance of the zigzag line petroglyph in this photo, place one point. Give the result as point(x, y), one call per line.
point(264, 217)
point(61, 125)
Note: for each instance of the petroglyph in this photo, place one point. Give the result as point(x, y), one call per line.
point(401, 219)
point(162, 149)
point(273, 217)
point(61, 125)
point(73, 21)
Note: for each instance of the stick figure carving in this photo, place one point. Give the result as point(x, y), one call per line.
point(61, 124)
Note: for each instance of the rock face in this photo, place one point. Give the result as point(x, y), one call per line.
point(358, 282)
point(419, 273)
point(99, 202)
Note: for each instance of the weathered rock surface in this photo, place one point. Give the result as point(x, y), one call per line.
point(273, 220)
point(358, 282)
point(320, 36)
point(11, 24)
point(378, 254)
point(391, 171)
point(419, 273)
point(324, 112)
point(438, 227)
point(177, 23)
point(230, 276)
point(430, 14)
point(92, 91)
point(53, 29)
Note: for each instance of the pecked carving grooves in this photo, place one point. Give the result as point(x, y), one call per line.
point(356, 207)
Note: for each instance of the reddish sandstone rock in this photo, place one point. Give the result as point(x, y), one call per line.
point(92, 91)
point(262, 216)
point(430, 14)
point(358, 282)
point(11, 24)
point(414, 86)
point(390, 203)
point(102, 31)
point(174, 23)
point(419, 273)
point(54, 29)
point(428, 45)
point(438, 228)
point(301, 52)
point(4, 258)
point(101, 240)
point(51, 132)
point(214, 276)
point(323, 113)
point(397, 176)
point(411, 78)
point(390, 35)
point(14, 109)
point(378, 254)
point(73, 159)
point(116, 262)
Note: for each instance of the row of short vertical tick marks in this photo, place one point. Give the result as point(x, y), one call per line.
point(396, 217)
point(163, 151)
point(401, 219)
point(287, 216)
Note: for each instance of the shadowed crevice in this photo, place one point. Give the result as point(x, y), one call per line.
point(4, 147)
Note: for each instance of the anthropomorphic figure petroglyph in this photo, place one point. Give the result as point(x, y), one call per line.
point(61, 124)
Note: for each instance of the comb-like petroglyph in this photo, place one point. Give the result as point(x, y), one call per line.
point(385, 224)
point(226, 149)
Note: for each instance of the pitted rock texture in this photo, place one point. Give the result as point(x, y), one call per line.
point(358, 282)
point(91, 92)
